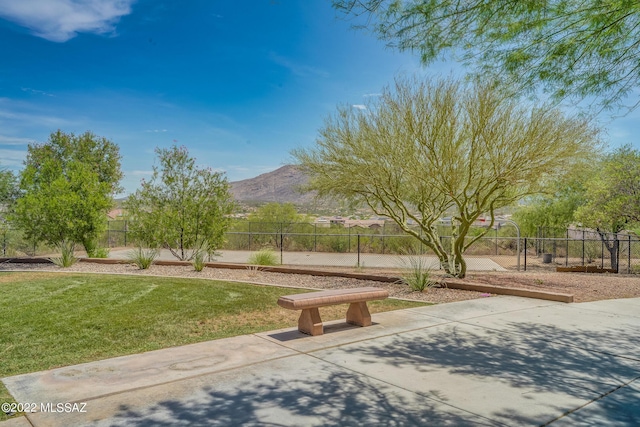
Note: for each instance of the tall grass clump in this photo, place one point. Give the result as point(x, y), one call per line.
point(199, 261)
point(417, 273)
point(143, 257)
point(264, 257)
point(67, 255)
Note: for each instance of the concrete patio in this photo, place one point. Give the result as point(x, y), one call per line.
point(499, 361)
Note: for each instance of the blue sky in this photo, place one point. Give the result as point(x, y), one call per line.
point(239, 83)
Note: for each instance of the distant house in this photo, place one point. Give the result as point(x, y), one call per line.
point(364, 223)
point(116, 214)
point(350, 223)
point(337, 220)
point(322, 222)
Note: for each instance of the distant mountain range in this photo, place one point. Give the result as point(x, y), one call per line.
point(283, 185)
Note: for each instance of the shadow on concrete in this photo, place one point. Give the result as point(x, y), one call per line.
point(527, 357)
point(338, 399)
point(328, 329)
point(314, 392)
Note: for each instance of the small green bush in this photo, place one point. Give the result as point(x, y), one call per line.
point(142, 257)
point(67, 256)
point(263, 257)
point(198, 261)
point(417, 274)
point(101, 253)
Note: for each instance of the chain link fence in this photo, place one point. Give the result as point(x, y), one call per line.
point(616, 253)
point(387, 246)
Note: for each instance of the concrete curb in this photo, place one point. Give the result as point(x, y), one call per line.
point(516, 292)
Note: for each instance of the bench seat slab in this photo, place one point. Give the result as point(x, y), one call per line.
point(310, 322)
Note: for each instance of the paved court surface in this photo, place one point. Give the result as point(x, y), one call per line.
point(501, 361)
point(332, 259)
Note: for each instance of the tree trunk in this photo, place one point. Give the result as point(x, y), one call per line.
point(612, 247)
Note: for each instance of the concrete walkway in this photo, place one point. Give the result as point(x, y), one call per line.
point(500, 361)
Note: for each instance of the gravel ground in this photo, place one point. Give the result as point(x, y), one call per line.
point(584, 286)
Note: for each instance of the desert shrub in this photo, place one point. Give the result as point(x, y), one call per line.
point(142, 257)
point(417, 273)
point(263, 257)
point(101, 253)
point(199, 261)
point(67, 256)
point(592, 251)
point(398, 244)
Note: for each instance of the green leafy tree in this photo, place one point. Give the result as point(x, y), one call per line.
point(426, 148)
point(574, 47)
point(274, 219)
point(613, 198)
point(276, 213)
point(8, 188)
point(556, 207)
point(182, 208)
point(67, 187)
point(8, 192)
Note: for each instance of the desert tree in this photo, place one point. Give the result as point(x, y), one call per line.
point(574, 48)
point(182, 208)
point(612, 202)
point(274, 220)
point(8, 188)
point(554, 208)
point(426, 148)
point(66, 189)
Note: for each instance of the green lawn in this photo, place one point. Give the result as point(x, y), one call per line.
point(50, 320)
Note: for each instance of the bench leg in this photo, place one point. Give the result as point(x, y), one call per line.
point(358, 314)
point(310, 322)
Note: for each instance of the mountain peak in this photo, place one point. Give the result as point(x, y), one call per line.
point(281, 185)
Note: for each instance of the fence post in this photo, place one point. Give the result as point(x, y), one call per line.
point(126, 230)
point(566, 255)
point(629, 255)
point(583, 246)
point(281, 247)
point(358, 250)
point(616, 249)
point(525, 254)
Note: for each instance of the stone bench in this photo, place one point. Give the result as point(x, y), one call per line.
point(357, 314)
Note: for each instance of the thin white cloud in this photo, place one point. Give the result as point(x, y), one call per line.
point(35, 91)
point(28, 118)
point(297, 68)
point(155, 130)
point(12, 140)
point(61, 20)
point(370, 95)
point(359, 106)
